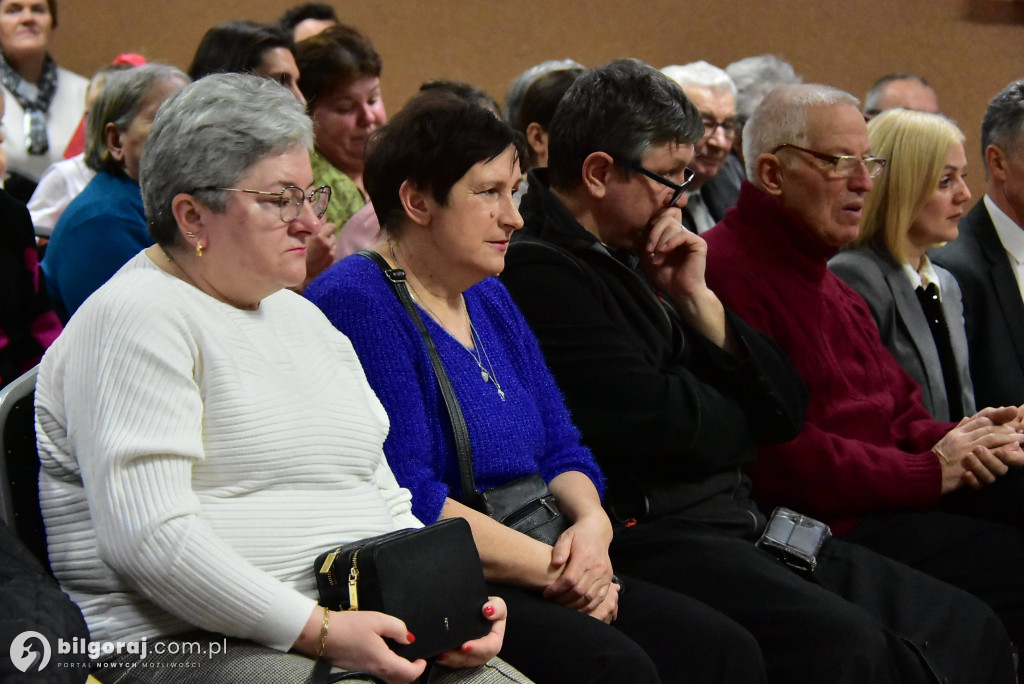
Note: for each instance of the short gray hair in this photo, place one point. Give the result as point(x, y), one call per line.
point(209, 135)
point(118, 104)
point(873, 99)
point(754, 77)
point(782, 118)
point(517, 91)
point(1003, 122)
point(701, 75)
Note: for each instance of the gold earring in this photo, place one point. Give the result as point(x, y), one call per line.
point(199, 249)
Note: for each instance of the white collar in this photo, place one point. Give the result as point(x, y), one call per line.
point(924, 276)
point(1010, 234)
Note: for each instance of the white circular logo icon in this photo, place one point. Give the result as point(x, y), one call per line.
point(25, 653)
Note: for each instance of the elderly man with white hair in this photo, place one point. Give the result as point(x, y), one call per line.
point(714, 94)
point(945, 498)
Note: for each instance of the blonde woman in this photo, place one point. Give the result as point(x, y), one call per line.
point(914, 206)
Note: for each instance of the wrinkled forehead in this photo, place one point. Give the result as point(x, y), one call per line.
point(837, 129)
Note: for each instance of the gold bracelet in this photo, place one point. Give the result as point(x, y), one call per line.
point(323, 633)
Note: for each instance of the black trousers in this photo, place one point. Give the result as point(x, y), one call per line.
point(659, 636)
point(974, 541)
point(860, 618)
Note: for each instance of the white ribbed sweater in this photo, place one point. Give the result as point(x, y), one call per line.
point(196, 458)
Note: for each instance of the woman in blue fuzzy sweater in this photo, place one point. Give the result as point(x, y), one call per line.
point(441, 176)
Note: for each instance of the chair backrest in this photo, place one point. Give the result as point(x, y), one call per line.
point(19, 466)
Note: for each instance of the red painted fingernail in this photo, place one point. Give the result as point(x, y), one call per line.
point(410, 637)
point(488, 611)
point(466, 648)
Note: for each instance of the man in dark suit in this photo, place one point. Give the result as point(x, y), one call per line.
point(714, 94)
point(988, 257)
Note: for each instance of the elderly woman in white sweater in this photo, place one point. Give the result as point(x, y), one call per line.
point(205, 433)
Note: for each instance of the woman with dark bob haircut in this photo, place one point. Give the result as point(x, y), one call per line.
point(441, 177)
point(205, 433)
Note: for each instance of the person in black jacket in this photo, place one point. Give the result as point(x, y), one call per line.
point(671, 391)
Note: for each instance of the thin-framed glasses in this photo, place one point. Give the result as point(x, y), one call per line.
point(678, 188)
point(730, 126)
point(843, 165)
point(290, 199)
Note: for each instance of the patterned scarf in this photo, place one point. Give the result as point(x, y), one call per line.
point(34, 99)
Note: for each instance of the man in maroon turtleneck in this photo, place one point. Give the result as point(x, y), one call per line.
point(870, 460)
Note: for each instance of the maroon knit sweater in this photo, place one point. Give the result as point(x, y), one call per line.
point(866, 444)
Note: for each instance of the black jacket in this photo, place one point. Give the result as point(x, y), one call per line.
point(671, 417)
point(993, 309)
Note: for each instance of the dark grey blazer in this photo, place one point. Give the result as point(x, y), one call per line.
point(993, 309)
point(904, 329)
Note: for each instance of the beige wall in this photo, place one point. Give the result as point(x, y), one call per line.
point(968, 49)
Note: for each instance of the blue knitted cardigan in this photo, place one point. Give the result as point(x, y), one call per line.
point(529, 431)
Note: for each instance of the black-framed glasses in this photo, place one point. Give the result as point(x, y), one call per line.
point(678, 188)
point(291, 198)
point(730, 126)
point(843, 165)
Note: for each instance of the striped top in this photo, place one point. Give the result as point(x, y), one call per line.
point(197, 457)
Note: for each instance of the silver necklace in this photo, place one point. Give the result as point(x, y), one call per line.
point(478, 352)
point(486, 373)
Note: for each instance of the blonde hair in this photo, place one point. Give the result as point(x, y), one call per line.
point(917, 145)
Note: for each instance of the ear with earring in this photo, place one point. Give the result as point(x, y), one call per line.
point(199, 243)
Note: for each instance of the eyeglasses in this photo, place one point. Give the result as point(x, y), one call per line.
point(290, 199)
point(730, 126)
point(677, 187)
point(843, 165)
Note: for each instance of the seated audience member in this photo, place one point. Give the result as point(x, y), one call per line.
point(712, 91)
point(44, 101)
point(987, 258)
point(536, 110)
point(671, 391)
point(362, 231)
point(246, 47)
point(28, 324)
point(753, 78)
point(870, 460)
point(76, 145)
point(64, 180)
point(105, 225)
point(441, 175)
point(308, 19)
point(340, 77)
point(517, 89)
point(914, 206)
point(179, 506)
point(900, 91)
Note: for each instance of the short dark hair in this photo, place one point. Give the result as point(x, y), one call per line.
point(623, 109)
point(432, 142)
point(306, 10)
point(877, 89)
point(541, 100)
point(467, 91)
point(334, 59)
point(236, 47)
point(1003, 122)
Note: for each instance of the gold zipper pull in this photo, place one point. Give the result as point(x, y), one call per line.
point(328, 562)
point(353, 582)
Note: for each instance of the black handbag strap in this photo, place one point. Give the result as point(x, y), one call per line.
point(396, 277)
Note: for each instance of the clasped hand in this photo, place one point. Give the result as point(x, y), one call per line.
point(981, 448)
point(585, 582)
